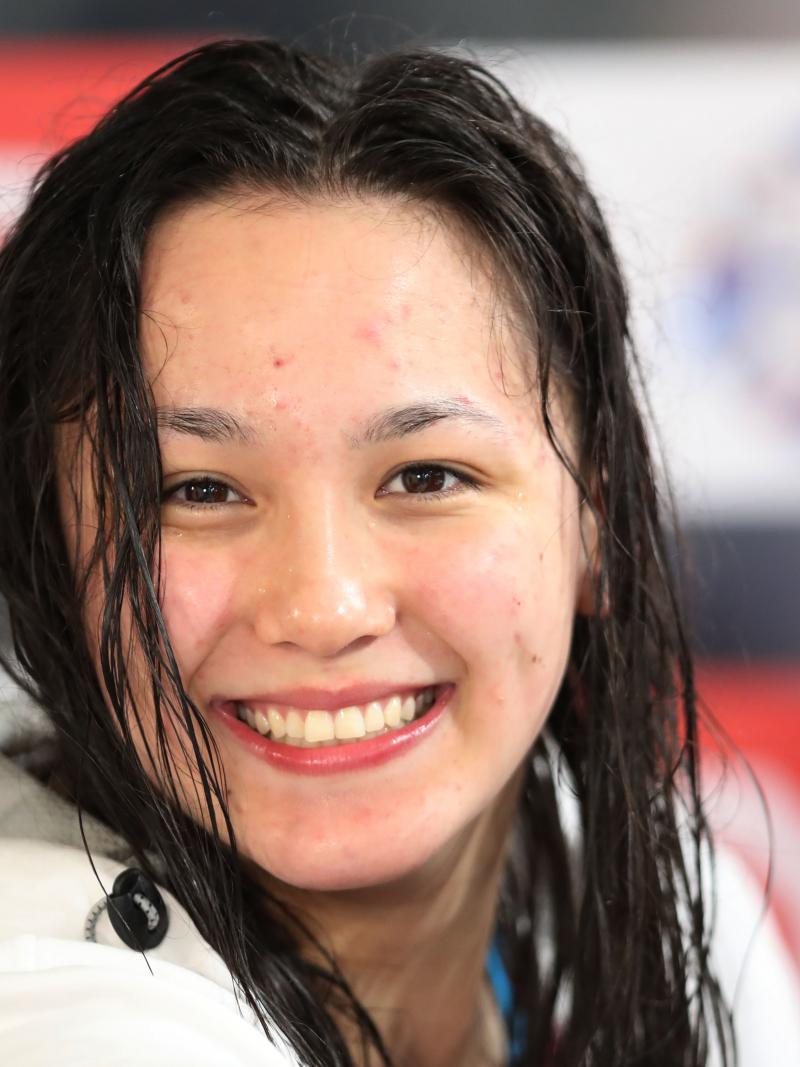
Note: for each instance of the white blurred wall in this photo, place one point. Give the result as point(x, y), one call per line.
point(695, 154)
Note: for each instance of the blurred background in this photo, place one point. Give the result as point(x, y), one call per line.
point(687, 118)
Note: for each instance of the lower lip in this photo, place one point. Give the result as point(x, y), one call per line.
point(338, 759)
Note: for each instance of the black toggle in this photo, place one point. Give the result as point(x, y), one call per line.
point(137, 910)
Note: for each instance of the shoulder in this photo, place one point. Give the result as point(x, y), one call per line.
point(70, 1000)
point(73, 1001)
point(100, 1000)
point(78, 1002)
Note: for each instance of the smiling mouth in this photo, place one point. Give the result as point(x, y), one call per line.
point(316, 728)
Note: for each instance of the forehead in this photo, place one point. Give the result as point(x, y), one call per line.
point(255, 305)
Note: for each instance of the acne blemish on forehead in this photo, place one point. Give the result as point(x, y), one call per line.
point(371, 332)
point(281, 361)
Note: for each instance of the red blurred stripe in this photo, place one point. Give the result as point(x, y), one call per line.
point(759, 707)
point(53, 90)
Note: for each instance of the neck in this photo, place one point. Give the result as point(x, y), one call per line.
point(414, 951)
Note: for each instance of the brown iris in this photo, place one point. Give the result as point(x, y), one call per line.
point(205, 491)
point(424, 479)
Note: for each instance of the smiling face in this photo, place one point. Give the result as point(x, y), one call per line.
point(353, 502)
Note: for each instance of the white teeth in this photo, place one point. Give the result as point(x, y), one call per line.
point(319, 726)
point(277, 723)
point(349, 723)
point(391, 712)
point(373, 718)
point(313, 728)
point(295, 727)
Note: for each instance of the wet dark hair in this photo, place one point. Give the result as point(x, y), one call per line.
point(624, 977)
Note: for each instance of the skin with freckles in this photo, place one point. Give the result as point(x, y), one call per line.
point(319, 565)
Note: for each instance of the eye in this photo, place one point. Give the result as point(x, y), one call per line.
point(201, 492)
point(430, 480)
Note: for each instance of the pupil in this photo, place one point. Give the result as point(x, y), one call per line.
point(424, 479)
point(205, 492)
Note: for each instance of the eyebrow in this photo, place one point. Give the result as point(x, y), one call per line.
point(218, 425)
point(209, 424)
point(414, 418)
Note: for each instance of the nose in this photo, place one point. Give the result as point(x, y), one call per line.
point(322, 586)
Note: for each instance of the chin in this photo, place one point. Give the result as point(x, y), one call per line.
point(340, 864)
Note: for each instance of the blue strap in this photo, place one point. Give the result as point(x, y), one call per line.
point(501, 986)
point(499, 979)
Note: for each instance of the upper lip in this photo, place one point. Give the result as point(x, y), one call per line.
point(310, 697)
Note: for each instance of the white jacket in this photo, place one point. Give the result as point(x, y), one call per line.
point(76, 1003)
point(68, 1001)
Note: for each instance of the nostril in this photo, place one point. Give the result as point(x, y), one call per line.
point(360, 643)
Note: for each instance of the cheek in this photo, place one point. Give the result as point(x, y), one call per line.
point(476, 590)
point(498, 600)
point(198, 591)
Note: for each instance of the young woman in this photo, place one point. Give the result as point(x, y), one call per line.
point(334, 556)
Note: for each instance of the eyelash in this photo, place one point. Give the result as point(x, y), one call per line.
point(171, 495)
point(466, 482)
